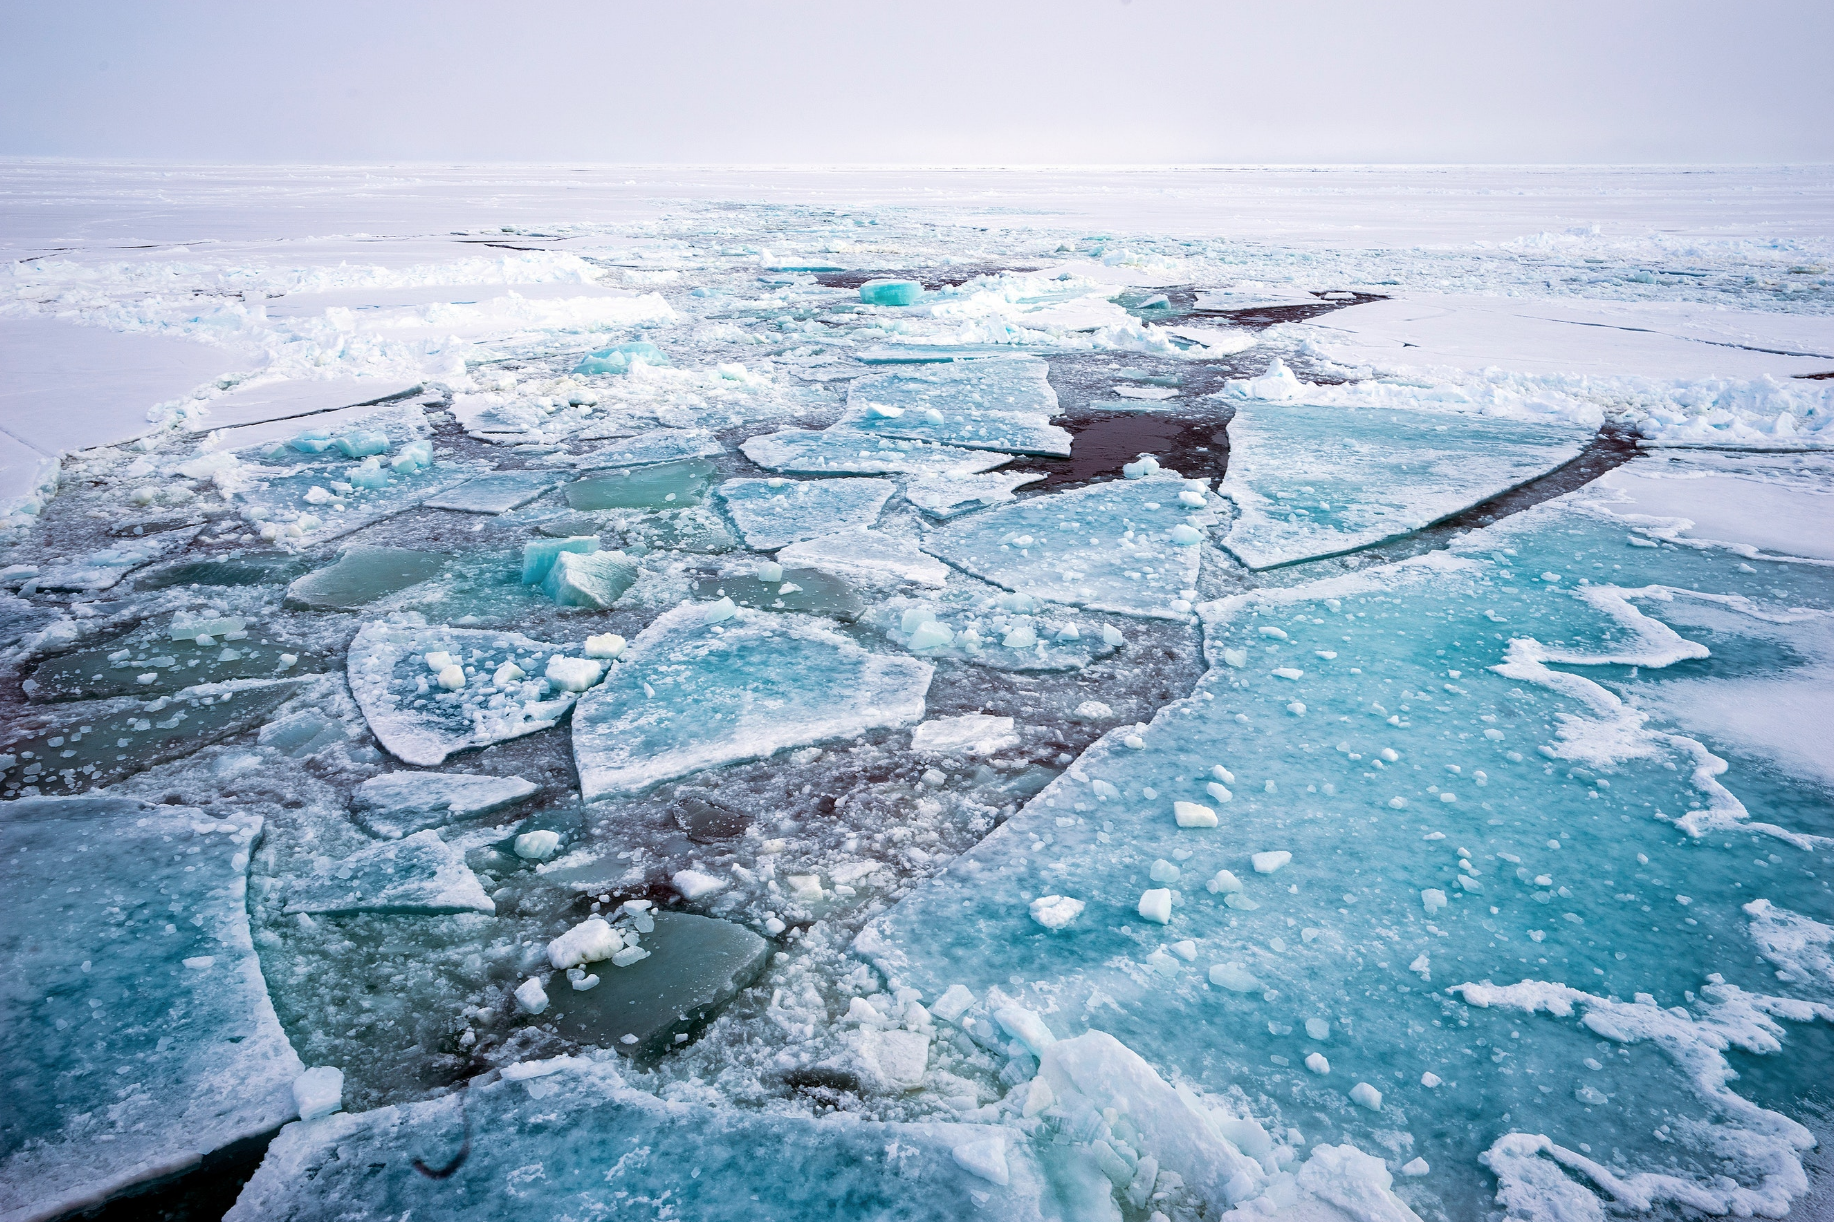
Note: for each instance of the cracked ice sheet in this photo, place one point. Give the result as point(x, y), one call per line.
point(691, 694)
point(1565, 798)
point(1311, 481)
point(569, 1138)
point(655, 446)
point(996, 404)
point(421, 723)
point(1108, 547)
point(771, 513)
point(134, 1023)
point(847, 451)
point(1776, 504)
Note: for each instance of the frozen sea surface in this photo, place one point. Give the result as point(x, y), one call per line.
point(1242, 693)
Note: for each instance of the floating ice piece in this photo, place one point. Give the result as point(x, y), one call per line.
point(1317, 1063)
point(1365, 1095)
point(946, 496)
point(421, 727)
point(157, 1035)
point(972, 734)
point(566, 674)
point(595, 580)
point(301, 735)
point(694, 884)
point(589, 941)
point(1235, 977)
point(685, 698)
point(1225, 883)
point(756, 1165)
point(1267, 863)
point(1156, 905)
point(867, 556)
point(362, 575)
point(1193, 814)
point(619, 358)
point(1433, 899)
point(847, 451)
point(1055, 911)
point(1140, 467)
point(1107, 547)
point(497, 493)
point(1003, 405)
point(894, 1060)
point(1318, 481)
point(604, 645)
point(655, 446)
point(319, 1091)
point(892, 293)
point(396, 804)
point(771, 513)
point(538, 845)
point(1415, 1167)
point(538, 555)
point(1092, 710)
point(104, 569)
point(419, 873)
point(675, 485)
point(531, 998)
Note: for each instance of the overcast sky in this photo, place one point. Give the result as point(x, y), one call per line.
point(926, 81)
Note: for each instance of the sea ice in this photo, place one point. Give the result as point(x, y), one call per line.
point(689, 695)
point(593, 580)
point(973, 734)
point(670, 485)
point(945, 496)
point(361, 575)
point(868, 556)
point(656, 446)
point(418, 873)
point(846, 451)
point(1003, 404)
point(771, 513)
point(396, 804)
point(496, 493)
point(136, 1026)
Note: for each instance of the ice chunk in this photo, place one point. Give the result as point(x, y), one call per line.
point(123, 1064)
point(675, 485)
point(955, 1002)
point(846, 451)
point(973, 734)
point(301, 735)
point(319, 1091)
point(619, 358)
point(1415, 1167)
point(1001, 405)
point(655, 446)
point(696, 884)
point(1055, 911)
point(1315, 481)
point(1267, 863)
point(892, 293)
point(946, 496)
point(591, 940)
point(531, 997)
point(566, 674)
point(754, 1164)
point(1365, 1095)
point(421, 727)
point(810, 591)
point(397, 804)
point(1156, 905)
point(419, 873)
point(896, 1060)
point(1317, 1063)
point(687, 697)
point(1235, 977)
point(771, 513)
point(498, 493)
point(595, 580)
point(605, 645)
point(538, 845)
point(985, 1157)
point(1107, 546)
point(361, 575)
point(1193, 814)
point(867, 556)
point(539, 555)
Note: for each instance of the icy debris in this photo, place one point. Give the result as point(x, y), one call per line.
point(591, 940)
point(389, 679)
point(771, 513)
point(123, 1063)
point(1055, 911)
point(1267, 863)
point(688, 695)
point(605, 645)
point(947, 496)
point(972, 734)
point(397, 804)
point(538, 845)
point(419, 873)
point(596, 581)
point(1193, 814)
point(1415, 1167)
point(102, 570)
point(867, 556)
point(362, 575)
point(1316, 481)
point(892, 293)
point(621, 358)
point(1156, 905)
point(755, 1165)
point(697, 884)
point(319, 1091)
point(539, 555)
point(846, 451)
point(1235, 977)
point(531, 998)
point(1317, 1063)
point(497, 493)
point(656, 446)
point(1003, 405)
point(1107, 547)
point(1365, 1095)
point(566, 674)
point(301, 735)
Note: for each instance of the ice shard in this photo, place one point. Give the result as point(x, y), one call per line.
point(361, 575)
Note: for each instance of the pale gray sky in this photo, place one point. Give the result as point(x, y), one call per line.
point(929, 81)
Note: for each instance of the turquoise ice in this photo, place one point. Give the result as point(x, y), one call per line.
point(1312, 481)
point(848, 451)
point(1406, 823)
point(620, 357)
point(655, 446)
point(496, 493)
point(1004, 405)
point(891, 292)
point(771, 513)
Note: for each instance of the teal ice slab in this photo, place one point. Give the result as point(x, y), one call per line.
point(593, 581)
point(539, 555)
point(773, 513)
point(396, 804)
point(848, 451)
point(891, 292)
point(1312, 481)
point(282, 496)
point(655, 446)
point(135, 1025)
point(1108, 546)
point(1617, 856)
point(496, 493)
point(360, 576)
point(568, 1138)
point(419, 873)
point(670, 485)
point(701, 687)
point(162, 667)
point(1004, 405)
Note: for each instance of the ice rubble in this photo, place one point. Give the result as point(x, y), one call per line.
point(396, 804)
point(1127, 546)
point(1316, 481)
point(1002, 404)
point(1451, 802)
point(703, 685)
point(418, 873)
point(421, 714)
point(136, 1026)
point(615, 1146)
point(771, 513)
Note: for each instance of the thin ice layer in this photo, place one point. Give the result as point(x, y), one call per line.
point(496, 493)
point(771, 513)
point(1003, 405)
point(1418, 779)
point(420, 721)
point(1131, 546)
point(1312, 481)
point(946, 495)
point(655, 446)
point(134, 1023)
point(695, 691)
point(848, 451)
point(420, 873)
point(568, 1138)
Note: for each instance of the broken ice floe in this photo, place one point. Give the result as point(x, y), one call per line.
point(361, 575)
point(496, 493)
point(1003, 405)
point(656, 446)
point(945, 496)
point(137, 1033)
point(419, 873)
point(396, 804)
point(713, 684)
point(490, 686)
point(671, 485)
point(847, 451)
point(868, 556)
point(771, 513)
